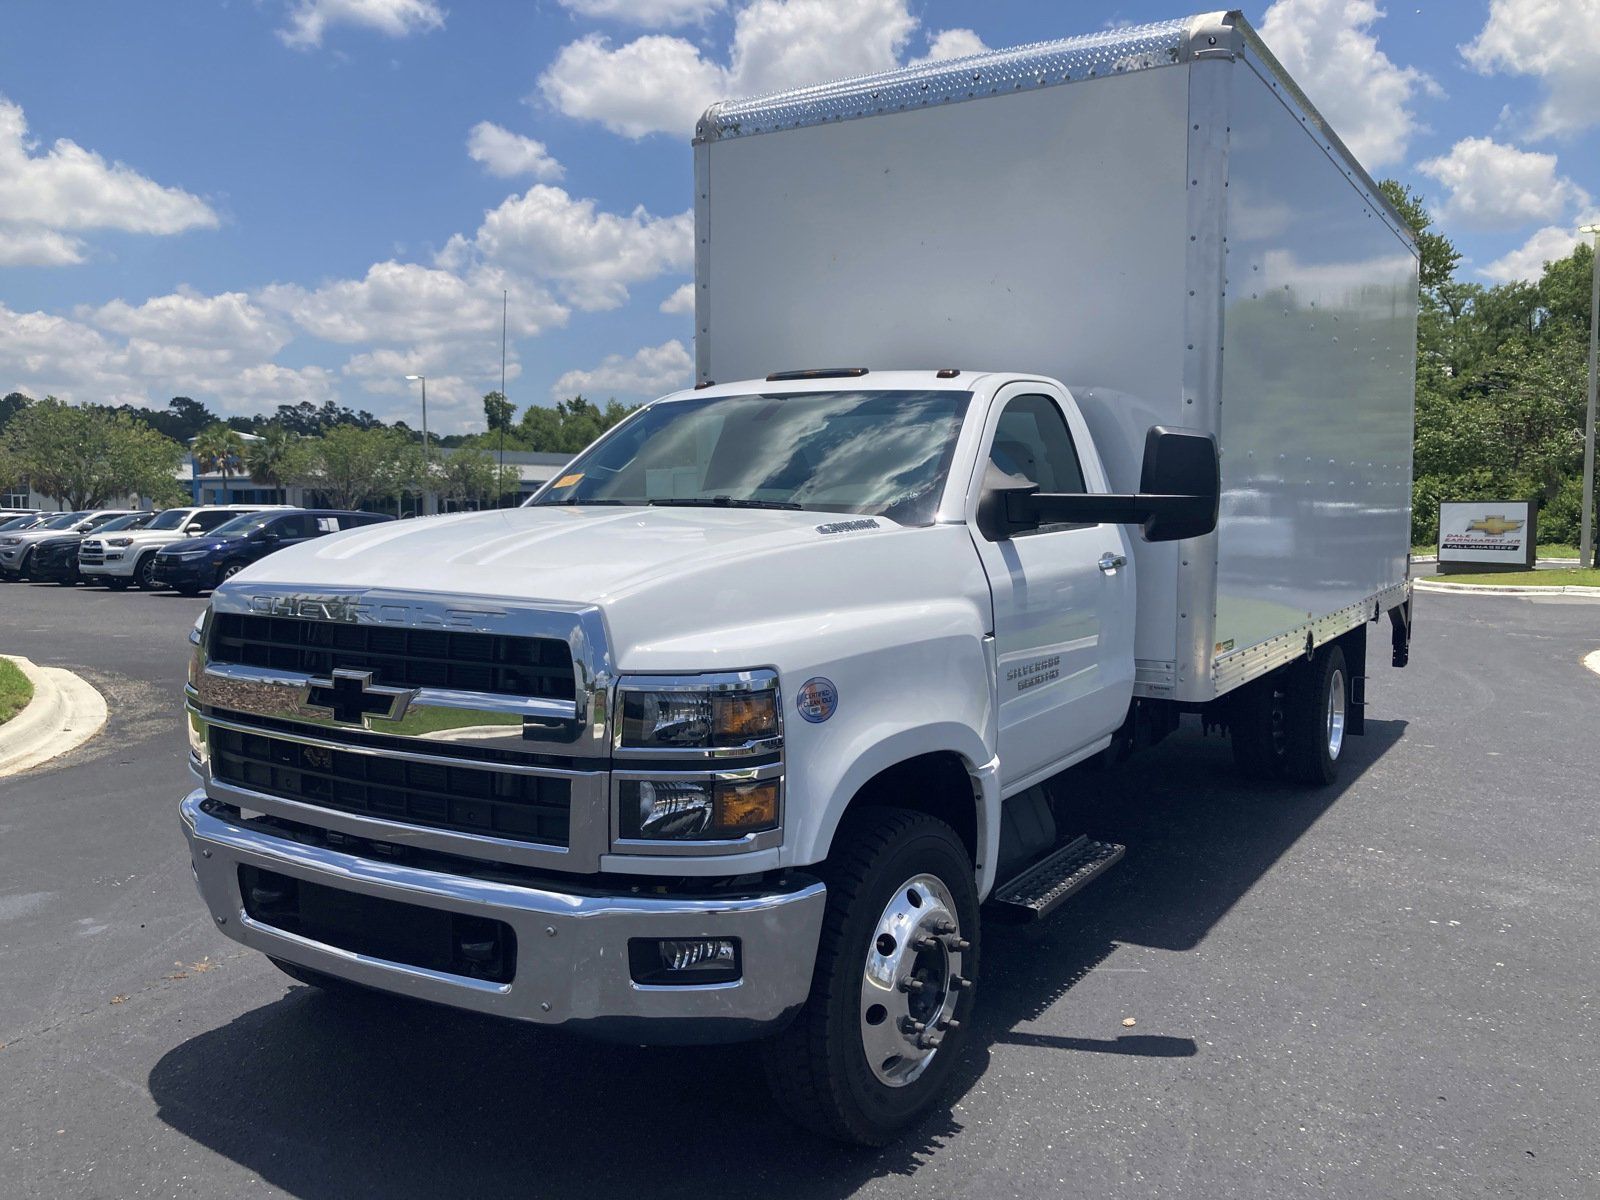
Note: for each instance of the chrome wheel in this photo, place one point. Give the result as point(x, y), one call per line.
point(1335, 713)
point(911, 981)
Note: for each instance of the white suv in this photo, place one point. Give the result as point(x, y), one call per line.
point(123, 558)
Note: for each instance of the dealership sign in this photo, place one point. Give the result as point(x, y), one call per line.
point(1487, 533)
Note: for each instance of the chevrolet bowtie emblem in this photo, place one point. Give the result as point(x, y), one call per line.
point(1494, 525)
point(351, 698)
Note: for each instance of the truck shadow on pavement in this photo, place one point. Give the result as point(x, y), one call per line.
point(336, 1096)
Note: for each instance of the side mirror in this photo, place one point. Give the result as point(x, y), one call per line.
point(1180, 488)
point(193, 528)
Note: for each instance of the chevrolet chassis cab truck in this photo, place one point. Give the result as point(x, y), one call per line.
point(1044, 396)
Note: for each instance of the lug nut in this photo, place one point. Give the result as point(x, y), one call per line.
point(912, 985)
point(956, 944)
point(931, 1042)
point(907, 1025)
point(923, 943)
point(949, 1025)
point(958, 983)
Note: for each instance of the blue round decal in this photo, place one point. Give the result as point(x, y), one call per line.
point(817, 700)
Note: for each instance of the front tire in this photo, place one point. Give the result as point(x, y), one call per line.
point(146, 572)
point(873, 1048)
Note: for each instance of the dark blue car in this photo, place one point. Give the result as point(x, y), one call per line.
point(196, 564)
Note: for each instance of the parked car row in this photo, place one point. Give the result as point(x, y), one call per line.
point(187, 550)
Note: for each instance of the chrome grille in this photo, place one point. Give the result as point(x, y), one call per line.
point(465, 799)
point(398, 656)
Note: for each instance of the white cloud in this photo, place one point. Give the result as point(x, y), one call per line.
point(310, 19)
point(680, 303)
point(1554, 41)
point(43, 353)
point(591, 256)
point(35, 247)
point(399, 303)
point(1527, 261)
point(46, 199)
point(506, 154)
point(653, 14)
point(647, 373)
point(951, 43)
point(651, 85)
point(1328, 48)
point(1495, 186)
point(186, 318)
point(661, 84)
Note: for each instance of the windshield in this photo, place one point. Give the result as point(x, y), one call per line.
point(248, 523)
point(64, 521)
point(171, 519)
point(136, 520)
point(876, 453)
point(21, 522)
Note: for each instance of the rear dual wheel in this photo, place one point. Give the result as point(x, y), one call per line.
point(873, 1048)
point(1291, 724)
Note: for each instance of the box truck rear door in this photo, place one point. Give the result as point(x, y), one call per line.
point(1063, 596)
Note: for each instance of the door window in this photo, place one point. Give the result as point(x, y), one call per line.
point(1033, 444)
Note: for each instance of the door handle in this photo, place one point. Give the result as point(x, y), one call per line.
point(1110, 562)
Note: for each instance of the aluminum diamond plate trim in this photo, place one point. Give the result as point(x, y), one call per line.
point(1040, 64)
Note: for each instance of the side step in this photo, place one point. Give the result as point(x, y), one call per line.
point(1042, 888)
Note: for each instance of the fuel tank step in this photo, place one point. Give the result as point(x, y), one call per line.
point(1043, 887)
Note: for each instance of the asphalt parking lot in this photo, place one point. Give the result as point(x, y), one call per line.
point(1385, 988)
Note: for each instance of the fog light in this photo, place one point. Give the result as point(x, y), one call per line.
point(683, 961)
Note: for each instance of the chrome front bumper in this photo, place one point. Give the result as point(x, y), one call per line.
point(572, 962)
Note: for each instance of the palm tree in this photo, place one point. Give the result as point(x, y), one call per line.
point(269, 459)
point(217, 449)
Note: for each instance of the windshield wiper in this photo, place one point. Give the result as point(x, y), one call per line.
point(581, 503)
point(719, 502)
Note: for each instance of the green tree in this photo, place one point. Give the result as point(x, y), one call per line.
point(570, 425)
point(218, 450)
point(275, 458)
point(469, 476)
point(1439, 256)
point(11, 405)
point(497, 412)
point(83, 457)
point(350, 465)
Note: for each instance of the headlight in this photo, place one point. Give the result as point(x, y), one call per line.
point(189, 555)
point(720, 808)
point(10, 541)
point(119, 541)
point(719, 716)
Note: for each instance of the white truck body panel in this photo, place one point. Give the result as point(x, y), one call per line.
point(1173, 233)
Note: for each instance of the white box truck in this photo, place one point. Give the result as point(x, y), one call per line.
point(1058, 392)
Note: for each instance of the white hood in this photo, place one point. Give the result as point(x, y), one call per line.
point(668, 579)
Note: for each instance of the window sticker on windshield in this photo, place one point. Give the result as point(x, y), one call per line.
point(569, 480)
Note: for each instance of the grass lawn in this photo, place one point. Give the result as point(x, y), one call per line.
point(15, 690)
point(1565, 577)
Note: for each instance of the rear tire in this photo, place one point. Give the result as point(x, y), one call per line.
point(1315, 718)
point(1256, 727)
point(819, 1068)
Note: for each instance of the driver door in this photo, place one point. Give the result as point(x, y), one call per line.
point(1063, 594)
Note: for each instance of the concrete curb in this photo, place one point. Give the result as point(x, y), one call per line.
point(1493, 589)
point(1591, 661)
point(65, 712)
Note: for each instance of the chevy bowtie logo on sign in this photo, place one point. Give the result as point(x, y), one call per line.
point(351, 698)
point(1486, 531)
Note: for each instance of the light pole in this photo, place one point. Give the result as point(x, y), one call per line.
point(1586, 546)
point(427, 458)
point(423, 379)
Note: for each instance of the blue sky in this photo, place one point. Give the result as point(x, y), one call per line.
point(263, 201)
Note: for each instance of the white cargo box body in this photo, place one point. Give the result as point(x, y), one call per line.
point(1158, 218)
